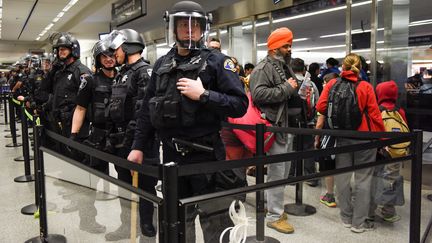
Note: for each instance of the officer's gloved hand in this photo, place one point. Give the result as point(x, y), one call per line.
point(74, 136)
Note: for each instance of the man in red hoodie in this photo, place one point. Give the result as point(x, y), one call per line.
point(354, 213)
point(387, 95)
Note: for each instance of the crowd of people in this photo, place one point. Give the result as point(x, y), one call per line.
point(128, 107)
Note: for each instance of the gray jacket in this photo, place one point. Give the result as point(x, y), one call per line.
point(269, 91)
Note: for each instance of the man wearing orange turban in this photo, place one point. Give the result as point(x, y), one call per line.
point(272, 86)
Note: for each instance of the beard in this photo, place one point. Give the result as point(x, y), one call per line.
point(286, 58)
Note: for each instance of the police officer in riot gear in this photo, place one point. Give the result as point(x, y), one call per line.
point(63, 83)
point(192, 89)
point(91, 101)
point(127, 94)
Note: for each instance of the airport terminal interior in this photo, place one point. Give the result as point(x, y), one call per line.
point(394, 38)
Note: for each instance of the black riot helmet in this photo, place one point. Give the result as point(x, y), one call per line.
point(188, 16)
point(35, 62)
point(101, 47)
point(130, 41)
point(68, 41)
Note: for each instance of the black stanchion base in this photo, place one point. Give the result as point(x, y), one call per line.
point(12, 145)
point(299, 209)
point(24, 178)
point(10, 136)
point(32, 208)
point(51, 239)
point(253, 239)
point(21, 158)
point(29, 209)
point(429, 197)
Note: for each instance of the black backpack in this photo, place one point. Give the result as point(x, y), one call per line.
point(343, 111)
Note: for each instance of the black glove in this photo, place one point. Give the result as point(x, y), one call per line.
point(74, 136)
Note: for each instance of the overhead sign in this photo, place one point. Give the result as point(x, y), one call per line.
point(420, 40)
point(124, 11)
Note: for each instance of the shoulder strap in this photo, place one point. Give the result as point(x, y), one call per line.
point(282, 105)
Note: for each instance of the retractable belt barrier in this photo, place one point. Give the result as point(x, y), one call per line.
point(171, 204)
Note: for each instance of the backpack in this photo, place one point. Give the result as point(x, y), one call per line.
point(343, 111)
point(393, 122)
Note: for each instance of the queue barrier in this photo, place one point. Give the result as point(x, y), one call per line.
point(171, 225)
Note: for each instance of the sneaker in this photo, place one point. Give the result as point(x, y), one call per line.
point(346, 224)
point(328, 200)
point(281, 225)
point(392, 218)
point(366, 226)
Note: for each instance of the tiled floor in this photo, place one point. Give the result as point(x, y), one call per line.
point(69, 200)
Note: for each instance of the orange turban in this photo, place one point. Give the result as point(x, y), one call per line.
point(279, 38)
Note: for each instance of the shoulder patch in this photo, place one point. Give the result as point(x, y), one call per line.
point(83, 83)
point(229, 65)
point(149, 71)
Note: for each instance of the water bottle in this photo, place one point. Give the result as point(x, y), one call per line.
point(305, 86)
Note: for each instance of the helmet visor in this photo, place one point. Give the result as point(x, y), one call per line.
point(114, 40)
point(187, 30)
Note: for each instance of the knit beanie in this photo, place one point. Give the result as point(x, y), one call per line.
point(279, 38)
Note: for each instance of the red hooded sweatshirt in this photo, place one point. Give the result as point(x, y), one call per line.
point(387, 95)
point(365, 97)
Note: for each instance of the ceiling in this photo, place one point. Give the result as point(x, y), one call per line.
point(87, 18)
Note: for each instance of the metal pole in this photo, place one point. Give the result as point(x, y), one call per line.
point(43, 221)
point(299, 208)
point(373, 43)
point(416, 181)
point(259, 198)
point(348, 27)
point(170, 192)
point(12, 125)
point(25, 149)
point(5, 108)
point(32, 208)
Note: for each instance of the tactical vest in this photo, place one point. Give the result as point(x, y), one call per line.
point(124, 95)
point(168, 108)
point(101, 93)
point(66, 85)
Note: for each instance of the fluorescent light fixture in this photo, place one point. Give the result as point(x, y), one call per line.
point(161, 44)
point(300, 39)
point(421, 61)
point(57, 18)
point(421, 21)
point(262, 44)
point(356, 31)
point(309, 14)
point(49, 26)
point(318, 48)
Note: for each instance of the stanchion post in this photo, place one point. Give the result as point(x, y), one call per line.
point(5, 108)
point(170, 192)
point(12, 125)
point(27, 177)
point(43, 221)
point(416, 177)
point(32, 208)
point(259, 198)
point(299, 208)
